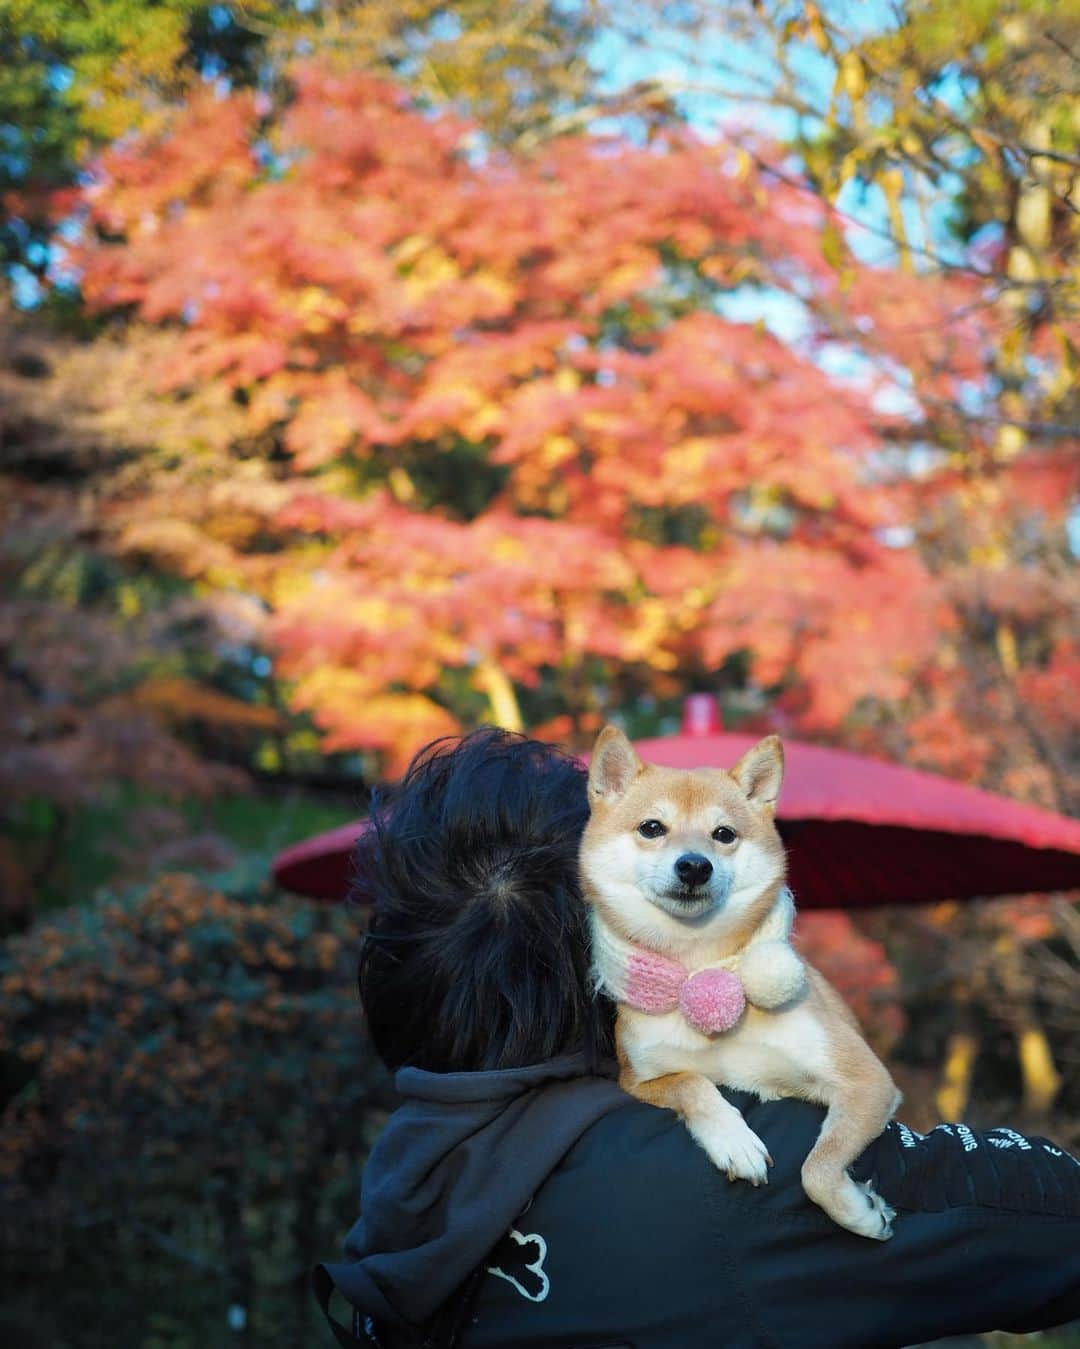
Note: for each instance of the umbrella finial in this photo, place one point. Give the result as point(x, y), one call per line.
point(701, 715)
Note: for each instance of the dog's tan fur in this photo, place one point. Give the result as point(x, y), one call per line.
point(811, 1048)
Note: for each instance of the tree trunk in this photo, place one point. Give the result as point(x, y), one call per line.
point(958, 1070)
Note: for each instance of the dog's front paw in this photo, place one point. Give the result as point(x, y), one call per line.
point(733, 1147)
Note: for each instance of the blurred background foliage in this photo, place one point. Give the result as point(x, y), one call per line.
point(368, 371)
point(194, 1103)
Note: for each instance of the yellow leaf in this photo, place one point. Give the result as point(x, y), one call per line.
point(410, 249)
point(852, 76)
point(833, 247)
point(1010, 441)
point(892, 183)
point(849, 165)
point(1033, 212)
point(691, 456)
point(401, 484)
point(817, 29)
point(557, 449)
point(488, 418)
point(508, 549)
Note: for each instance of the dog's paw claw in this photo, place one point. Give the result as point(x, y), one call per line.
point(881, 1214)
point(734, 1148)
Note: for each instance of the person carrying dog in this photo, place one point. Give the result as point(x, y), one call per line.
point(519, 1197)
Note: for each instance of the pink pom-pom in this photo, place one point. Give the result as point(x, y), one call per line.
point(712, 1000)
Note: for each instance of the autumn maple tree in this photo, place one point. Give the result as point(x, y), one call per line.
point(513, 449)
point(545, 336)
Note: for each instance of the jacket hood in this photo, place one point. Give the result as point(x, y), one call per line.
point(458, 1161)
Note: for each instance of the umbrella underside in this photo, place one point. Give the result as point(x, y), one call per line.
point(846, 864)
point(832, 864)
point(859, 831)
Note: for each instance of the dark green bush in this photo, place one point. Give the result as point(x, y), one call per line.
point(189, 1097)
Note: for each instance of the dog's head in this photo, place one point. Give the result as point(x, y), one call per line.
point(699, 846)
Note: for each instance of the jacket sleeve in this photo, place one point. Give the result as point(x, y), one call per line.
point(986, 1237)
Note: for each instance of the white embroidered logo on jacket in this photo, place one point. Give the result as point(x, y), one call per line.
point(539, 1285)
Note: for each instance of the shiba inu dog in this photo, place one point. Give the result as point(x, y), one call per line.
point(685, 873)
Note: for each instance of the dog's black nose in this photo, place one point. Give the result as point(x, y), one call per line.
point(693, 869)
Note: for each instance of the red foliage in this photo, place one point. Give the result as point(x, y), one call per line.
point(860, 971)
point(520, 431)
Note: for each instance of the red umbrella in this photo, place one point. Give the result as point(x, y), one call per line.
point(859, 831)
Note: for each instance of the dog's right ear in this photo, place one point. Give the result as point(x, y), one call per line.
point(614, 766)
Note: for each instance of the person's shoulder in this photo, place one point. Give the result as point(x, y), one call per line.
point(622, 1137)
point(644, 1159)
point(646, 1154)
point(624, 1134)
point(634, 1168)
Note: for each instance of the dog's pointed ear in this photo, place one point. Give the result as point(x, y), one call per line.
point(760, 771)
point(613, 767)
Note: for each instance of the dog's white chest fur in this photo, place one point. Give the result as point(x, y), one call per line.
point(781, 1053)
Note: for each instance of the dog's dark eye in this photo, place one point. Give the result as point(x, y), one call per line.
point(724, 834)
point(651, 829)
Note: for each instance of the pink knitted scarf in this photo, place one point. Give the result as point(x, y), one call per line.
point(712, 1000)
point(766, 973)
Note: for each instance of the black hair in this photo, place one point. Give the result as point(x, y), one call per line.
point(476, 956)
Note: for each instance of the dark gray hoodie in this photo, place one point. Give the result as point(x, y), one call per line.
point(456, 1164)
point(643, 1242)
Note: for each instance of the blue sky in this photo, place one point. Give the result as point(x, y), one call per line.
point(715, 82)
